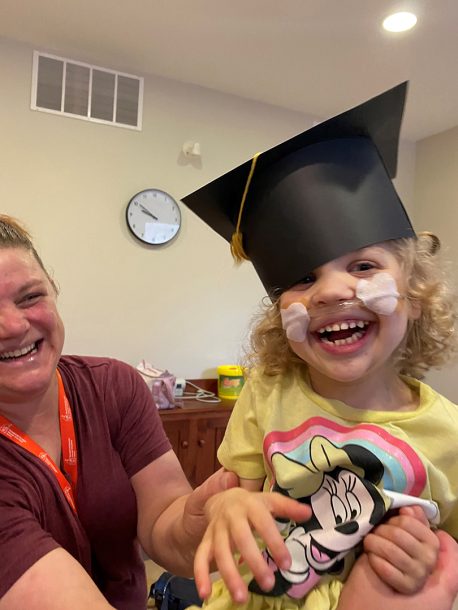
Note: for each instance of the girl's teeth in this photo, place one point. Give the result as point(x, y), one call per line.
point(353, 325)
point(355, 337)
point(343, 326)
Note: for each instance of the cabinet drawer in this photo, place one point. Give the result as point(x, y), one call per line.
point(195, 434)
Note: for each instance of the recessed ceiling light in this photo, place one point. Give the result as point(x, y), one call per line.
point(400, 22)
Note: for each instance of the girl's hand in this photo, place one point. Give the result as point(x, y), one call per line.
point(364, 589)
point(403, 551)
point(234, 515)
point(194, 514)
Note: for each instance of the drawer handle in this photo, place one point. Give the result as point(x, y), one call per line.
point(185, 444)
point(201, 442)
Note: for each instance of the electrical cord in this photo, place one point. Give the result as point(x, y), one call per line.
point(201, 395)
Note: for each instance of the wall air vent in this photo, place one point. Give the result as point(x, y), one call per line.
point(83, 91)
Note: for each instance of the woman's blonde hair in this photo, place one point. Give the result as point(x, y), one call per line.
point(430, 341)
point(14, 235)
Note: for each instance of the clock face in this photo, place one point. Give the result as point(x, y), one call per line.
point(153, 216)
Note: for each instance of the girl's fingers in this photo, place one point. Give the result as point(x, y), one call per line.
point(202, 569)
point(235, 518)
point(403, 551)
point(267, 529)
point(216, 546)
point(415, 538)
point(282, 506)
point(390, 552)
point(246, 545)
point(415, 511)
point(391, 576)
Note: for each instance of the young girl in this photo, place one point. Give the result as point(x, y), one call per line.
point(333, 414)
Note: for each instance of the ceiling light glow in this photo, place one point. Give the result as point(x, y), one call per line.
point(400, 22)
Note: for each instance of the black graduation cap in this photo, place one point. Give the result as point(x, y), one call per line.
point(315, 197)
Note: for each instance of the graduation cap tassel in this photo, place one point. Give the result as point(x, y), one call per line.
point(237, 250)
point(238, 253)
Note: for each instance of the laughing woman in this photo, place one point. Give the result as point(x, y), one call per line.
point(82, 457)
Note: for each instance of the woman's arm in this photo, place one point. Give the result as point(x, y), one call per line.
point(364, 589)
point(54, 582)
point(171, 518)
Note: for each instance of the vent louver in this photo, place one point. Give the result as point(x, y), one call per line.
point(72, 88)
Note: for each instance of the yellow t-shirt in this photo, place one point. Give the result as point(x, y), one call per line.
point(339, 460)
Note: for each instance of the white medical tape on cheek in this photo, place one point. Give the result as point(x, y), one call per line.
point(295, 320)
point(379, 294)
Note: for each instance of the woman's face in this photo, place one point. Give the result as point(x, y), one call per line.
point(31, 330)
point(345, 344)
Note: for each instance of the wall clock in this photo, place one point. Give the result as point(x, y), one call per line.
point(153, 217)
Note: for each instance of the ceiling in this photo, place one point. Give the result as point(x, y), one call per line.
point(316, 56)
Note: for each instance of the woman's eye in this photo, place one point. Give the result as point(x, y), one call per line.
point(31, 299)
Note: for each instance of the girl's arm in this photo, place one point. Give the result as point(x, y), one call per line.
point(252, 484)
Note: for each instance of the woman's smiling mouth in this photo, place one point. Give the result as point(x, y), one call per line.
point(20, 353)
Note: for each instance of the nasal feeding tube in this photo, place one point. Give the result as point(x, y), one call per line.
point(378, 294)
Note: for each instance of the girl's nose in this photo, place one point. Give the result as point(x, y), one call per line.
point(332, 287)
point(13, 322)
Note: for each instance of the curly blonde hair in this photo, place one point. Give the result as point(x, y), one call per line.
point(14, 235)
point(430, 341)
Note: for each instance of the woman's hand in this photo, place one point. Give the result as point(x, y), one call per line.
point(403, 551)
point(364, 589)
point(194, 514)
point(171, 516)
point(234, 516)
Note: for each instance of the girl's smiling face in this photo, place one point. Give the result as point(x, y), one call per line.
point(347, 343)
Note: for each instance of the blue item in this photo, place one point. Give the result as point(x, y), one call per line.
point(172, 592)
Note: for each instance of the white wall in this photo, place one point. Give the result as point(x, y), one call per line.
point(183, 307)
point(436, 210)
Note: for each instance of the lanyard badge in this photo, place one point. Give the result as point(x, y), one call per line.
point(68, 441)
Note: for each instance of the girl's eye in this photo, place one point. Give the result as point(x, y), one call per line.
point(308, 279)
point(363, 266)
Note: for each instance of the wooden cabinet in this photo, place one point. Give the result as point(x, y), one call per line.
point(196, 431)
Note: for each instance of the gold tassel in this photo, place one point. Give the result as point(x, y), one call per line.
point(238, 253)
point(237, 250)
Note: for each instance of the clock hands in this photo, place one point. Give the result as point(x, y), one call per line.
point(146, 211)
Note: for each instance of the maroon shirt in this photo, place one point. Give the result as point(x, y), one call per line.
point(118, 432)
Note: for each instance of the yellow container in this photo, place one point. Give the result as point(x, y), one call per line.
point(230, 381)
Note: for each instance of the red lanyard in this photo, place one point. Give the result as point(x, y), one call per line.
point(68, 439)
